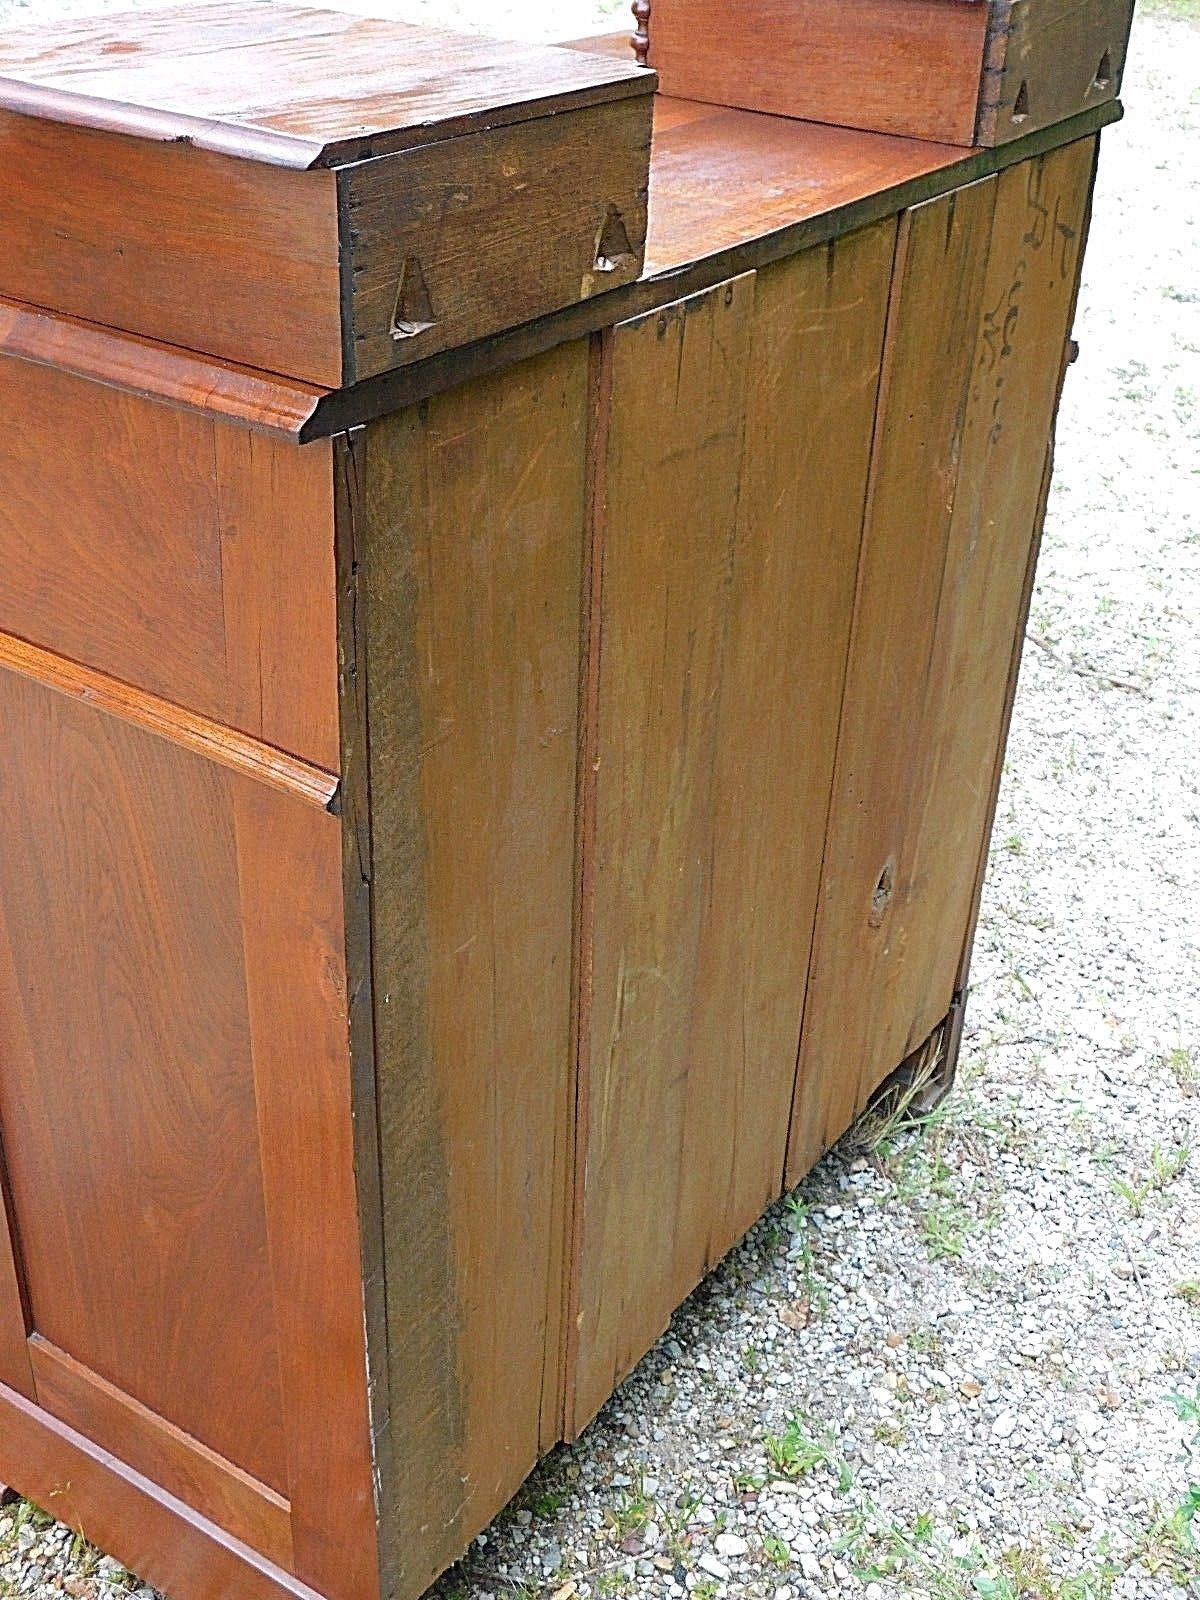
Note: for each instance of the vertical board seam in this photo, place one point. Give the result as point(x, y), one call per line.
point(886, 351)
point(600, 385)
point(964, 966)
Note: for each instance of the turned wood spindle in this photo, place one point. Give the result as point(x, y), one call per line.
point(641, 39)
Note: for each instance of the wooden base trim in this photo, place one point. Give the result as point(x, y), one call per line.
point(147, 1529)
point(176, 377)
point(246, 1508)
point(237, 751)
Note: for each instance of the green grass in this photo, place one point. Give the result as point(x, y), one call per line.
point(796, 1452)
point(1176, 10)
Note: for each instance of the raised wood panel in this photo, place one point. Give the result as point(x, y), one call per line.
point(108, 547)
point(165, 1454)
point(1046, 61)
point(728, 541)
point(148, 1530)
point(1037, 239)
point(290, 874)
point(179, 556)
point(542, 214)
point(231, 257)
point(933, 317)
point(472, 531)
point(127, 1096)
point(910, 68)
point(279, 590)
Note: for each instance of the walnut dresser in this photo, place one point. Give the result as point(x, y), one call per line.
point(513, 564)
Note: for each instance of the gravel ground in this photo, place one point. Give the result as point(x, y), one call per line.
point(964, 1359)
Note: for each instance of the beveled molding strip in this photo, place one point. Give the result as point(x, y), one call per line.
point(180, 378)
point(239, 752)
point(220, 1490)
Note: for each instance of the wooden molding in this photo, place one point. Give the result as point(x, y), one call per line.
point(234, 1500)
point(161, 372)
point(146, 1528)
point(237, 751)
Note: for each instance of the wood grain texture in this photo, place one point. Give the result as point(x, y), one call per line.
point(233, 258)
point(290, 893)
point(729, 545)
point(147, 1529)
point(15, 1370)
point(292, 85)
point(151, 186)
point(355, 812)
point(1046, 60)
point(487, 231)
point(127, 1101)
point(155, 371)
point(668, 550)
point(1033, 271)
point(198, 734)
point(473, 532)
point(932, 322)
point(721, 178)
point(278, 584)
point(731, 250)
point(188, 559)
point(167, 1456)
point(911, 69)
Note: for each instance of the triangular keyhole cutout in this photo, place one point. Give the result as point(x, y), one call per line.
point(413, 312)
point(613, 249)
point(1103, 78)
point(1020, 108)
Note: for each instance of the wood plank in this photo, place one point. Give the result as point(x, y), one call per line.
point(290, 877)
point(146, 1529)
point(702, 925)
point(279, 588)
point(668, 549)
point(934, 314)
point(729, 177)
point(544, 214)
point(127, 1101)
point(197, 734)
point(293, 85)
point(184, 558)
point(355, 811)
point(108, 534)
point(472, 539)
point(1046, 60)
point(911, 69)
point(817, 224)
point(1036, 247)
point(160, 372)
point(15, 1370)
point(163, 1453)
point(234, 258)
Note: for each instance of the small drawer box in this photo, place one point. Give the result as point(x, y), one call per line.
point(315, 195)
point(960, 72)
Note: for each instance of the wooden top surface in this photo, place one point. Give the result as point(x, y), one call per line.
point(292, 85)
point(720, 178)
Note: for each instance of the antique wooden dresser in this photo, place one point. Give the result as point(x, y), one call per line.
point(502, 692)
